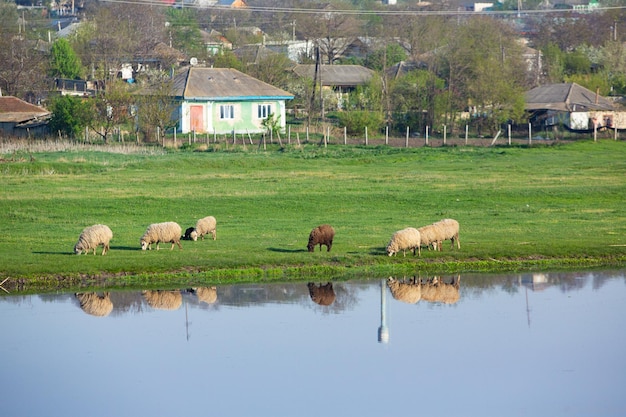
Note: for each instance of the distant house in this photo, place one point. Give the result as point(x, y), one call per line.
point(340, 78)
point(224, 100)
point(572, 106)
point(22, 119)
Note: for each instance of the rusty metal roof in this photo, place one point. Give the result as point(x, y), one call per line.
point(221, 84)
point(566, 97)
point(14, 110)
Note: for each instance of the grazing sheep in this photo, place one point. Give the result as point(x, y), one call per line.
point(205, 226)
point(408, 292)
point(190, 234)
point(168, 232)
point(403, 240)
point(206, 294)
point(321, 235)
point(94, 304)
point(430, 235)
point(163, 300)
point(93, 236)
point(449, 229)
point(323, 295)
point(437, 291)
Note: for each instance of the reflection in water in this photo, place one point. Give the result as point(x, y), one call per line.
point(383, 330)
point(323, 295)
point(434, 290)
point(406, 291)
point(268, 334)
point(205, 294)
point(163, 300)
point(94, 304)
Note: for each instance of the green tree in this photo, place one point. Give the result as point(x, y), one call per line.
point(110, 109)
point(64, 63)
point(155, 108)
point(418, 100)
point(485, 72)
point(70, 115)
point(185, 31)
point(385, 57)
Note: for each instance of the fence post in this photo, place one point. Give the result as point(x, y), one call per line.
point(595, 132)
point(445, 133)
point(426, 136)
point(289, 134)
point(466, 133)
point(345, 135)
point(406, 140)
point(386, 135)
point(307, 134)
point(365, 135)
point(509, 128)
point(174, 136)
point(530, 134)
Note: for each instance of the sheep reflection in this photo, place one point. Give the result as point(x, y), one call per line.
point(433, 290)
point(163, 299)
point(205, 294)
point(323, 295)
point(94, 304)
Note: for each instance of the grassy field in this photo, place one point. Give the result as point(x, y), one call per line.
point(519, 208)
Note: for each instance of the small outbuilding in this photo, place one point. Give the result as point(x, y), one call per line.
point(19, 118)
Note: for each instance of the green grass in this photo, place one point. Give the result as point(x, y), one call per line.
point(519, 208)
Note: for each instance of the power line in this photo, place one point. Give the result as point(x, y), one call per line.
point(364, 12)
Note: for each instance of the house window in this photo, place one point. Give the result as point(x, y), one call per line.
point(227, 112)
point(264, 110)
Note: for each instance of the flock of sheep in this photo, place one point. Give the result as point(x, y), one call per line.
point(409, 238)
point(429, 236)
point(167, 232)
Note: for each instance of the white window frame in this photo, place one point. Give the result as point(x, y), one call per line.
point(263, 111)
point(227, 111)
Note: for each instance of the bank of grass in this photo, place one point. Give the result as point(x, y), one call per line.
point(519, 208)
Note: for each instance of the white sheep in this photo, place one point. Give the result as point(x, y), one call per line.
point(431, 235)
point(437, 291)
point(403, 240)
point(94, 304)
point(407, 292)
point(205, 226)
point(167, 232)
point(449, 230)
point(93, 236)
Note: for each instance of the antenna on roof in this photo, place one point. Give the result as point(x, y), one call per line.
point(193, 61)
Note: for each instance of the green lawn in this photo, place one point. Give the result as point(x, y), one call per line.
point(519, 208)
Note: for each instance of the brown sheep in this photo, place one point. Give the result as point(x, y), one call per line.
point(321, 235)
point(323, 295)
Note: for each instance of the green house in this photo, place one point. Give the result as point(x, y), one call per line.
point(224, 100)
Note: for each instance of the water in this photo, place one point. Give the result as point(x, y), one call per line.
point(515, 345)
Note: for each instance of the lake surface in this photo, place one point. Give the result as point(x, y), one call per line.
point(551, 344)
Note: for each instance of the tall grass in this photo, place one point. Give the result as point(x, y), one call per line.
point(517, 206)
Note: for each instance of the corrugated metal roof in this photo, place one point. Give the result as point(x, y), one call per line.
point(14, 110)
point(567, 97)
point(223, 84)
point(337, 75)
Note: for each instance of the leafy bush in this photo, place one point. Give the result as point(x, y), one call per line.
point(356, 121)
